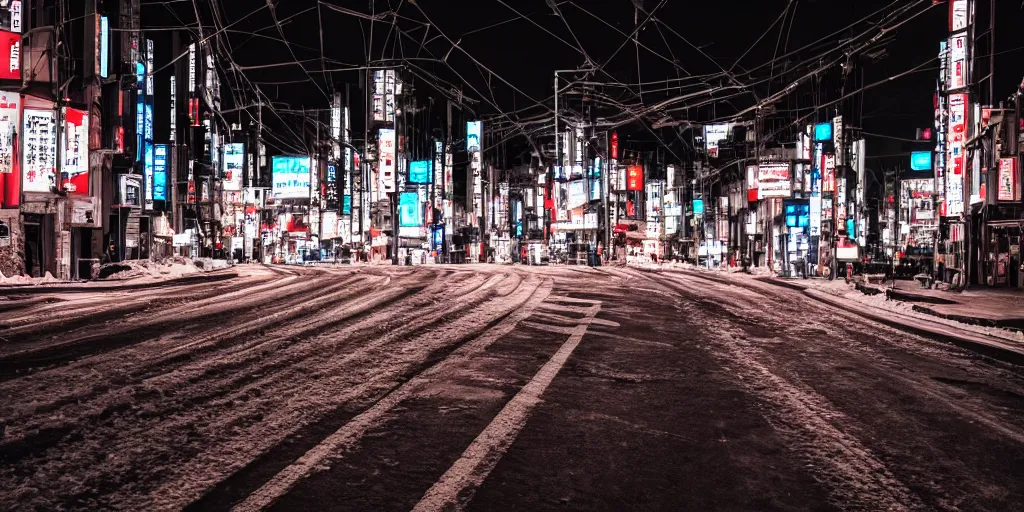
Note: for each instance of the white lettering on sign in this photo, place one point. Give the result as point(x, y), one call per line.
point(192, 67)
point(15, 56)
point(16, 16)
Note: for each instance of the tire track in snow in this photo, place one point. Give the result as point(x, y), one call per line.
point(73, 323)
point(908, 367)
point(83, 306)
point(150, 413)
point(334, 447)
point(77, 408)
point(854, 343)
point(343, 386)
point(856, 478)
point(457, 486)
point(93, 343)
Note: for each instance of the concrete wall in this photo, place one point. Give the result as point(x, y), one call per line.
point(12, 257)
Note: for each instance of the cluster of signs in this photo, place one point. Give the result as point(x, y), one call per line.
point(957, 79)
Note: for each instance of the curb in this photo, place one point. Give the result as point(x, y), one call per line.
point(913, 297)
point(211, 277)
point(980, 343)
point(985, 345)
point(1011, 323)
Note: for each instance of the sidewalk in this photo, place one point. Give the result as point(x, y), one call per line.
point(991, 332)
point(987, 307)
point(128, 275)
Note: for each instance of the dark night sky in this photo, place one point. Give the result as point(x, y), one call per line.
point(522, 54)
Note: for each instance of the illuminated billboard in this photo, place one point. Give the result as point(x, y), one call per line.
point(634, 178)
point(474, 131)
point(773, 179)
point(1008, 182)
point(75, 174)
point(10, 55)
point(698, 206)
point(823, 132)
point(421, 171)
point(577, 194)
point(409, 214)
point(386, 160)
point(921, 160)
point(234, 159)
point(39, 150)
point(160, 172)
point(713, 134)
point(291, 177)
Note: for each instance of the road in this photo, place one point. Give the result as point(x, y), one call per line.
point(492, 388)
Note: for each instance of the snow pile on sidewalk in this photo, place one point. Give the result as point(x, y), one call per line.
point(169, 268)
point(848, 293)
point(842, 290)
point(27, 281)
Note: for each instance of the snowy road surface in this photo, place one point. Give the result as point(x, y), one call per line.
point(491, 388)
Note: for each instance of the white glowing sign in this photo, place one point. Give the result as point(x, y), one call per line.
point(39, 149)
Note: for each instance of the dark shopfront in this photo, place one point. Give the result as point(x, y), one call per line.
point(1001, 258)
point(39, 248)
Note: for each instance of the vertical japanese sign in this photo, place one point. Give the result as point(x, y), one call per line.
point(409, 213)
point(10, 55)
point(634, 178)
point(713, 134)
point(331, 188)
point(378, 95)
point(438, 175)
point(386, 160)
point(16, 16)
point(828, 172)
point(957, 76)
point(75, 172)
point(956, 137)
point(9, 118)
point(160, 172)
point(474, 133)
point(148, 179)
point(104, 47)
point(958, 15)
point(940, 104)
point(234, 160)
point(39, 143)
point(390, 86)
point(837, 139)
point(192, 67)
point(1009, 181)
point(174, 109)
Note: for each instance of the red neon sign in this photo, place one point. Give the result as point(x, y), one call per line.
point(634, 177)
point(10, 56)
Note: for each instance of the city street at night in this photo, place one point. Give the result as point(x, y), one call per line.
point(491, 388)
point(531, 255)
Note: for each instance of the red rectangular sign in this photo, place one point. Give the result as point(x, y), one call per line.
point(10, 55)
point(634, 177)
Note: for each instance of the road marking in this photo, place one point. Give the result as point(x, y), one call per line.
point(334, 446)
point(482, 455)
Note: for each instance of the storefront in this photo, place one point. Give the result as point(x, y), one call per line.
point(1001, 259)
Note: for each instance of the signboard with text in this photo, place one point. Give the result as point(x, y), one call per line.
point(1008, 181)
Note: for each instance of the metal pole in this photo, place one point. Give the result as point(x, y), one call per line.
point(605, 217)
point(557, 154)
point(394, 195)
point(992, 53)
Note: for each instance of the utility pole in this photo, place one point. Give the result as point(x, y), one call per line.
point(394, 195)
point(992, 56)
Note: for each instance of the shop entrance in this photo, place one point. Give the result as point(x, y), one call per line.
point(1002, 259)
point(39, 249)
